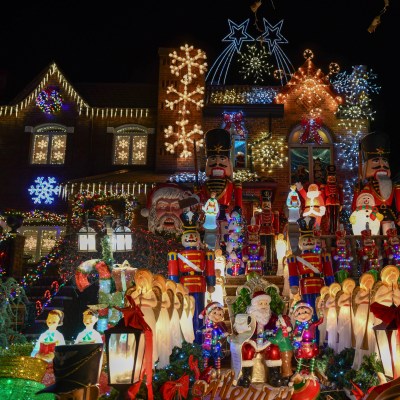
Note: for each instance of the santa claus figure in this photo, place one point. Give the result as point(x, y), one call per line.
point(370, 259)
point(314, 205)
point(375, 149)
point(266, 323)
point(392, 247)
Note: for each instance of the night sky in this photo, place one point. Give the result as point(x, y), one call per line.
point(119, 42)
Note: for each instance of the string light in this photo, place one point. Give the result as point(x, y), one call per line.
point(245, 175)
point(269, 153)
point(49, 100)
point(186, 65)
point(256, 95)
point(255, 63)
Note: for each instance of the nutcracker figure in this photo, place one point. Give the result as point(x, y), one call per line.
point(375, 149)
point(392, 247)
point(368, 255)
point(269, 225)
point(219, 172)
point(193, 267)
point(305, 336)
point(214, 334)
point(253, 253)
point(333, 195)
point(341, 256)
point(310, 271)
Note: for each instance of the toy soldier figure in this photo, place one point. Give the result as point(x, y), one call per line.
point(193, 267)
point(375, 148)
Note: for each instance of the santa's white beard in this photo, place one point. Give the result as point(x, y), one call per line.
point(262, 316)
point(312, 195)
point(385, 185)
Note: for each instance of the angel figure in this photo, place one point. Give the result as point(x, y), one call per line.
point(219, 294)
point(331, 323)
point(364, 319)
point(163, 322)
point(175, 327)
point(186, 320)
point(145, 298)
point(345, 317)
point(320, 304)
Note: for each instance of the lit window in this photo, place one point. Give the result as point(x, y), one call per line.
point(308, 161)
point(130, 145)
point(49, 144)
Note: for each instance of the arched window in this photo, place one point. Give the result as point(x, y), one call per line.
point(130, 145)
point(49, 143)
point(308, 161)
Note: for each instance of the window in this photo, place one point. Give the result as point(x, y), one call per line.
point(49, 143)
point(130, 145)
point(308, 161)
point(239, 148)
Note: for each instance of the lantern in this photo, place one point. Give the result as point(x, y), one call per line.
point(125, 347)
point(122, 239)
point(387, 337)
point(87, 239)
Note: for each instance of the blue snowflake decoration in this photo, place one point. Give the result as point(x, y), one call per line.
point(44, 190)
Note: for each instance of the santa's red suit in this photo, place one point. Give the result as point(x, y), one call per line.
point(225, 190)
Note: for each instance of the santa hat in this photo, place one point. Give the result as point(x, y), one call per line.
point(260, 295)
point(209, 308)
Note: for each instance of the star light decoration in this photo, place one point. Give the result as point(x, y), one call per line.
point(255, 63)
point(269, 153)
point(310, 88)
point(44, 190)
point(357, 88)
point(186, 65)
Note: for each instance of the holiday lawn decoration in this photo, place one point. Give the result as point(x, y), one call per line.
point(49, 100)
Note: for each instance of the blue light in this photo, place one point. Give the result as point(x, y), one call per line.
point(44, 190)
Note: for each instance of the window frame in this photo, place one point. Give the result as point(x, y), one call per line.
point(40, 130)
point(310, 146)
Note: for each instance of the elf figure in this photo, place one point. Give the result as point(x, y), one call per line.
point(304, 336)
point(214, 332)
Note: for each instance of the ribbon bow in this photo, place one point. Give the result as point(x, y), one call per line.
point(171, 388)
point(235, 118)
point(310, 131)
point(194, 366)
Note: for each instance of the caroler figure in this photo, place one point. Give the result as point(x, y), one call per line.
point(304, 336)
point(214, 333)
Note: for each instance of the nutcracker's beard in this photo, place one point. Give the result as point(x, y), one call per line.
point(385, 185)
point(167, 223)
point(262, 316)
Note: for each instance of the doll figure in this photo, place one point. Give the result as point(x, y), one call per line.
point(89, 334)
point(48, 340)
point(304, 336)
point(214, 332)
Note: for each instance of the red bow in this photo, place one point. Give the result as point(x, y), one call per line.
point(171, 388)
point(310, 131)
point(133, 317)
point(194, 366)
point(236, 118)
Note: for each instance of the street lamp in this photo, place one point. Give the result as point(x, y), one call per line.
point(125, 348)
point(387, 338)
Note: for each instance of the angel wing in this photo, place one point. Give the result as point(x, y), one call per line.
point(157, 291)
point(354, 304)
point(171, 301)
point(338, 294)
point(375, 290)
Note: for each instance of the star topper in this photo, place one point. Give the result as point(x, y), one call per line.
point(272, 35)
point(238, 34)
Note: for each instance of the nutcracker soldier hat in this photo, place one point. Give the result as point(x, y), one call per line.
point(218, 143)
point(267, 195)
point(189, 220)
point(375, 144)
point(306, 226)
point(209, 308)
point(75, 367)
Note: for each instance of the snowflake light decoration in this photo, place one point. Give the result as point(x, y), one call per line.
point(48, 243)
point(255, 63)
point(269, 153)
point(348, 150)
point(49, 100)
point(185, 65)
point(30, 243)
point(44, 190)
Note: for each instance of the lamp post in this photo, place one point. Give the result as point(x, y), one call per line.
point(387, 339)
point(125, 347)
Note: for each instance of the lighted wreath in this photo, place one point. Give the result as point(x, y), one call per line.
point(49, 100)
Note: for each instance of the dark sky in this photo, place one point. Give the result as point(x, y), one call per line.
point(118, 42)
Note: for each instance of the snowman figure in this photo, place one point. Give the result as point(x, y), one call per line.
point(366, 212)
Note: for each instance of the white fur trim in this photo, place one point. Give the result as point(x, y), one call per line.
point(254, 300)
point(273, 363)
point(248, 363)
